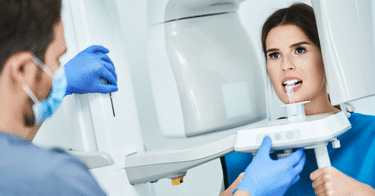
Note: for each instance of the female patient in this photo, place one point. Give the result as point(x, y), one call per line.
point(292, 49)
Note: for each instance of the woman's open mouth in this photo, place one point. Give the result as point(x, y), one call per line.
point(295, 82)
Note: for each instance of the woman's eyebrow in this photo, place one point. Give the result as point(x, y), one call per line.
point(291, 46)
point(298, 44)
point(272, 50)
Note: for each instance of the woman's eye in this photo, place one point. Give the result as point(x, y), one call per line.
point(299, 50)
point(274, 55)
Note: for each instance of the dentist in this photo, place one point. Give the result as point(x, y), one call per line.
point(32, 86)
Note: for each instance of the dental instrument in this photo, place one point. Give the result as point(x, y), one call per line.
point(104, 81)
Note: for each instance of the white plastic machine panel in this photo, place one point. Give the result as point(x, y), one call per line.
point(216, 86)
point(314, 131)
point(347, 40)
point(160, 11)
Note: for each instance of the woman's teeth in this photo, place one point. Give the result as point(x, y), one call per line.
point(292, 82)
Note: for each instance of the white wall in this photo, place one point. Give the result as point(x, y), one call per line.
point(365, 105)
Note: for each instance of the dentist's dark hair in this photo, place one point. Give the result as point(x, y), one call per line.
point(27, 25)
point(298, 14)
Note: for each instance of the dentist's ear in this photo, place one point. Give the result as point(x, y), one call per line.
point(19, 67)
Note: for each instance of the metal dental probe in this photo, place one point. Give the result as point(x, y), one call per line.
point(104, 81)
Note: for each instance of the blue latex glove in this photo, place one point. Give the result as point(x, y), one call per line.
point(265, 176)
point(84, 71)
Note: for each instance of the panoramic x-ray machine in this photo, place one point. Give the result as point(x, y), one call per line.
point(201, 47)
point(206, 78)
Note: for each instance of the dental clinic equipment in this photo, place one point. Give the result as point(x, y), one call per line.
point(104, 81)
point(207, 81)
point(203, 68)
point(296, 111)
point(214, 71)
point(297, 131)
point(113, 109)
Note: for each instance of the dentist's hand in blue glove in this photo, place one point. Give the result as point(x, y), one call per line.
point(84, 71)
point(265, 176)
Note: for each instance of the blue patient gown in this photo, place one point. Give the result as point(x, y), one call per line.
point(354, 158)
point(26, 169)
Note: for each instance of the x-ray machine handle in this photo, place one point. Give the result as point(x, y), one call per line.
point(322, 157)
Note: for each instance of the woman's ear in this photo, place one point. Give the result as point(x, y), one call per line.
point(18, 66)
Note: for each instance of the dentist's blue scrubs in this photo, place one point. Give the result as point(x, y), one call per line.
point(354, 158)
point(26, 169)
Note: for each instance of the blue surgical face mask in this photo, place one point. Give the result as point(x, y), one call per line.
point(45, 108)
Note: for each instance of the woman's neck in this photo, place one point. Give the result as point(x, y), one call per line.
point(320, 105)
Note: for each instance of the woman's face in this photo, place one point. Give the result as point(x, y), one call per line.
point(293, 59)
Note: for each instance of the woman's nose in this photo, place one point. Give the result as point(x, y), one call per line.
point(288, 64)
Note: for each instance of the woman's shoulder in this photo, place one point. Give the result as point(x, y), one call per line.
point(357, 116)
point(362, 120)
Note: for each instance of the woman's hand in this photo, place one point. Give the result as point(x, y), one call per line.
point(229, 190)
point(330, 181)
